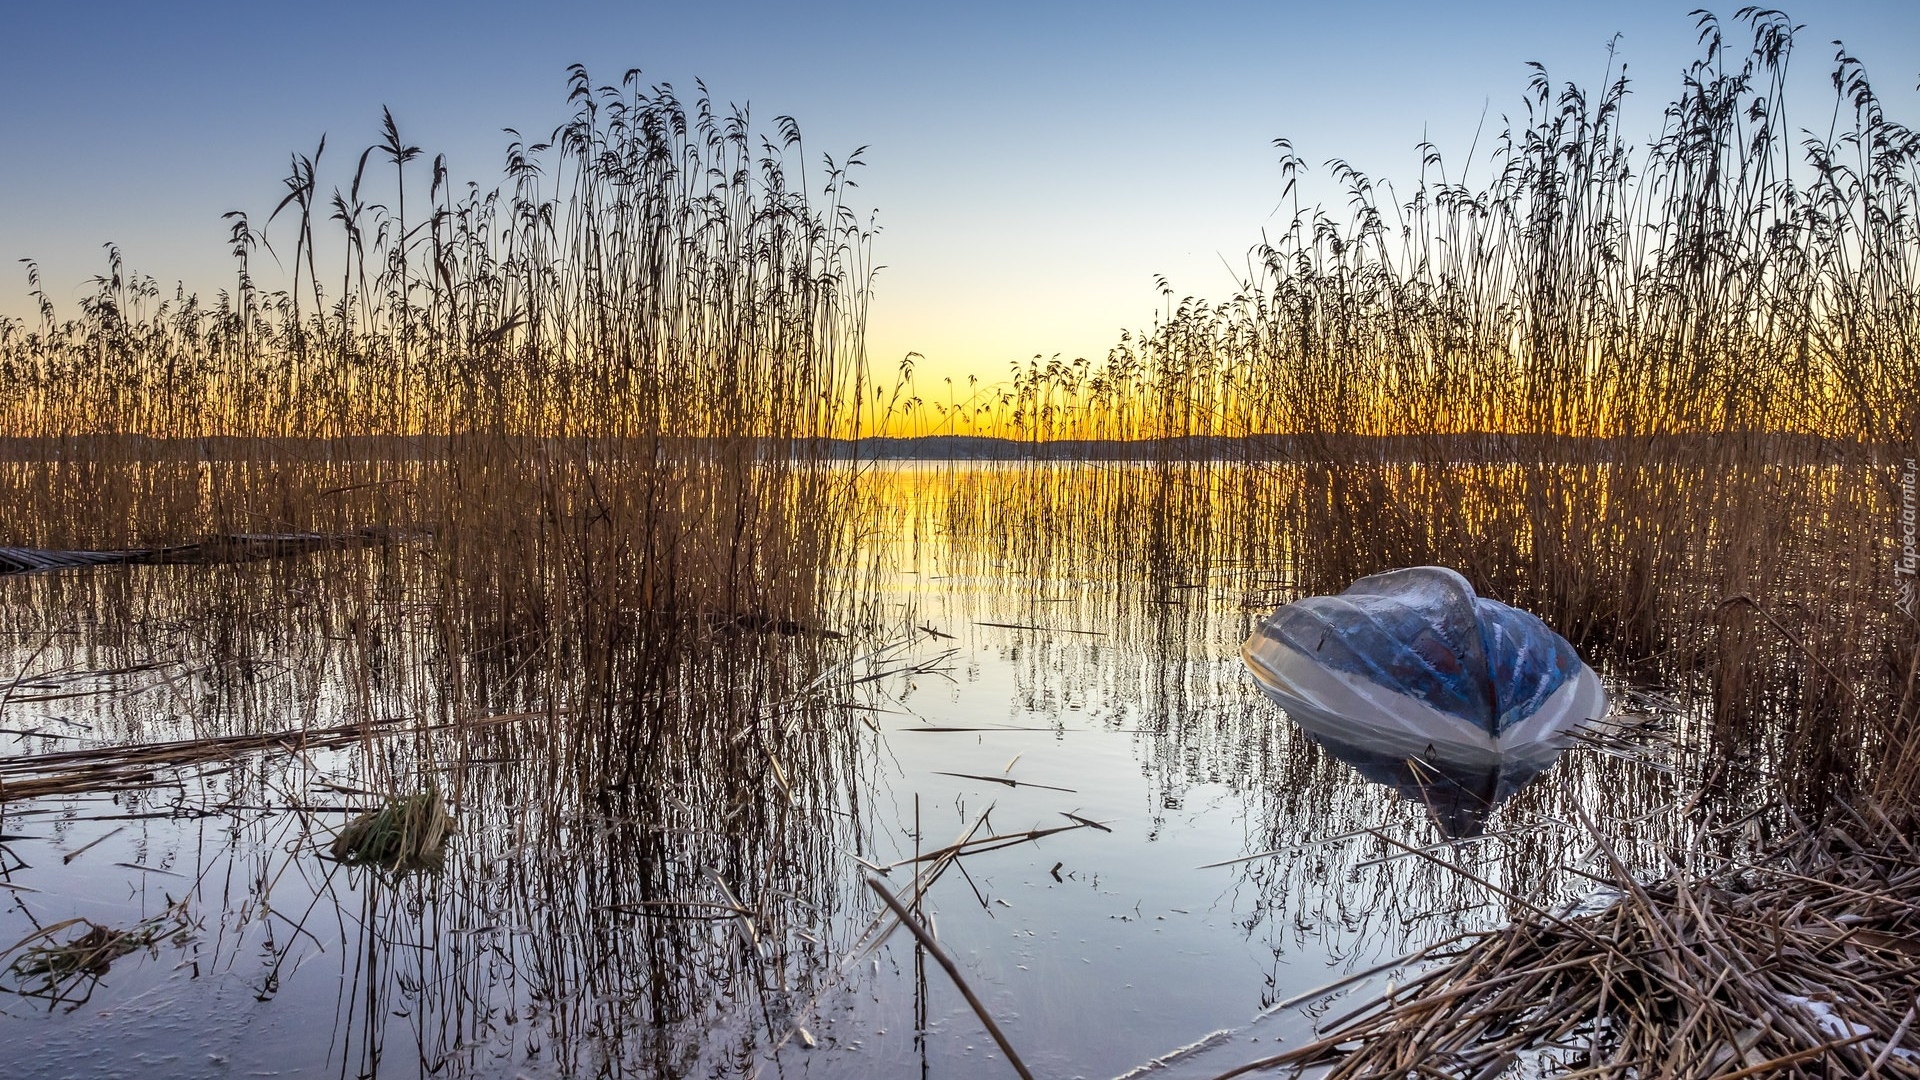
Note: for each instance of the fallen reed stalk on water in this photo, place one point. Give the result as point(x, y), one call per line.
point(926, 940)
point(110, 768)
point(65, 972)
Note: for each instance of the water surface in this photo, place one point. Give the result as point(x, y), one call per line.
point(991, 668)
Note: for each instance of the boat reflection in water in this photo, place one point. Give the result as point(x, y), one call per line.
point(1458, 792)
point(1454, 700)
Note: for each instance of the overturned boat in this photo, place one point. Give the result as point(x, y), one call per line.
point(1411, 664)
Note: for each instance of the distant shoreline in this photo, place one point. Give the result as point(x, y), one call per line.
point(1320, 448)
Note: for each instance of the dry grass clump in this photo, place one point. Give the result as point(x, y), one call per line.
point(1802, 964)
point(65, 972)
point(409, 832)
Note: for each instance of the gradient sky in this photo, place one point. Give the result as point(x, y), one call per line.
point(1033, 165)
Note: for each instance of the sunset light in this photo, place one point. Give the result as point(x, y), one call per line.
point(629, 540)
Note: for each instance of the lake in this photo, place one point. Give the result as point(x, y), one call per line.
point(1154, 858)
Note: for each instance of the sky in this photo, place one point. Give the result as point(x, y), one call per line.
point(1033, 167)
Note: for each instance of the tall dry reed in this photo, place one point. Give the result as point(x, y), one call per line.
point(581, 418)
point(592, 401)
point(1655, 392)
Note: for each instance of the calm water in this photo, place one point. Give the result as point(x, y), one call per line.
point(577, 933)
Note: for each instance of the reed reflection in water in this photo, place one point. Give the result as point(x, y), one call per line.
point(674, 888)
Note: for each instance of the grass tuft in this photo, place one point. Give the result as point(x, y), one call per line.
point(408, 833)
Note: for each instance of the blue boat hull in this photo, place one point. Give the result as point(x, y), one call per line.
point(1411, 663)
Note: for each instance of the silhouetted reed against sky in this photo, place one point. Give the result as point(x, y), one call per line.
point(577, 419)
point(605, 581)
point(1651, 391)
point(1646, 390)
point(594, 386)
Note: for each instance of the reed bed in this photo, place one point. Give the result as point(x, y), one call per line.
point(582, 412)
point(567, 909)
point(1660, 395)
point(597, 388)
point(1657, 393)
point(1650, 393)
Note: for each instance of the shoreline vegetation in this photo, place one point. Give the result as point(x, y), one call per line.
point(619, 391)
